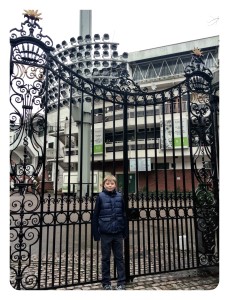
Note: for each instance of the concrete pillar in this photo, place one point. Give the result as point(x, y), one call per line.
point(84, 143)
point(85, 22)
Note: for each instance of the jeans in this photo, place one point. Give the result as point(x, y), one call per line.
point(112, 242)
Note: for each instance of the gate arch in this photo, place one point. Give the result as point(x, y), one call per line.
point(57, 117)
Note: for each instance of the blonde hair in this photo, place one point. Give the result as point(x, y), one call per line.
point(110, 177)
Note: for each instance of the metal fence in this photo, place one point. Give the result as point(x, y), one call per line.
point(162, 146)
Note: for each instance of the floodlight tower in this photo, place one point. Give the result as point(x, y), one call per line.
point(84, 125)
point(95, 58)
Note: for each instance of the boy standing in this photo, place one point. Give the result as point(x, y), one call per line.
point(109, 224)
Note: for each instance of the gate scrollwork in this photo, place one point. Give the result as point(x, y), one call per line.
point(202, 135)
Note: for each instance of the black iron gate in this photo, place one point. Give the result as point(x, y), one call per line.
point(67, 131)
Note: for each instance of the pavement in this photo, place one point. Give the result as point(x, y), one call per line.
point(198, 279)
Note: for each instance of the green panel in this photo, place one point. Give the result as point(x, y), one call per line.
point(177, 142)
point(120, 182)
point(98, 149)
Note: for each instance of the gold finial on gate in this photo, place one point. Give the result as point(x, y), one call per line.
point(33, 14)
point(197, 52)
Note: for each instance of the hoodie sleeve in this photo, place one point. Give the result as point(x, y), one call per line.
point(95, 220)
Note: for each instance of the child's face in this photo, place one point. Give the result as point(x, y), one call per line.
point(109, 185)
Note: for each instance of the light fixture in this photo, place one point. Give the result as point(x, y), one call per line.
point(105, 64)
point(105, 37)
point(80, 39)
point(87, 54)
point(89, 64)
point(97, 63)
point(114, 72)
point(113, 81)
point(72, 40)
point(73, 50)
point(113, 46)
point(97, 80)
point(125, 55)
point(87, 38)
point(79, 55)
point(97, 47)
point(105, 53)
point(87, 72)
point(81, 65)
point(51, 97)
point(114, 54)
point(58, 46)
point(96, 37)
point(105, 47)
point(64, 44)
point(65, 85)
point(105, 81)
point(123, 65)
point(73, 101)
point(89, 47)
point(105, 72)
point(64, 59)
point(63, 93)
point(73, 67)
point(95, 72)
point(96, 53)
point(73, 58)
point(81, 48)
point(88, 99)
point(66, 53)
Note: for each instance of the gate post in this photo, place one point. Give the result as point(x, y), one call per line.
point(203, 145)
point(30, 51)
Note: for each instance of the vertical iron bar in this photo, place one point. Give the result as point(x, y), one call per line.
point(183, 176)
point(175, 191)
point(68, 198)
point(147, 182)
point(55, 194)
point(157, 181)
point(92, 180)
point(126, 179)
point(138, 194)
point(192, 167)
point(165, 193)
point(113, 142)
point(42, 186)
point(104, 149)
point(81, 185)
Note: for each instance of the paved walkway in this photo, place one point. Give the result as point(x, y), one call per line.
point(206, 279)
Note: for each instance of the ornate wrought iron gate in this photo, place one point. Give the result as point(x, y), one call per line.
point(65, 127)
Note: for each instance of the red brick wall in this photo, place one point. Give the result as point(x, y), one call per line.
point(181, 180)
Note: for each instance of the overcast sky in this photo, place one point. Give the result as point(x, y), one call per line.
point(135, 25)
